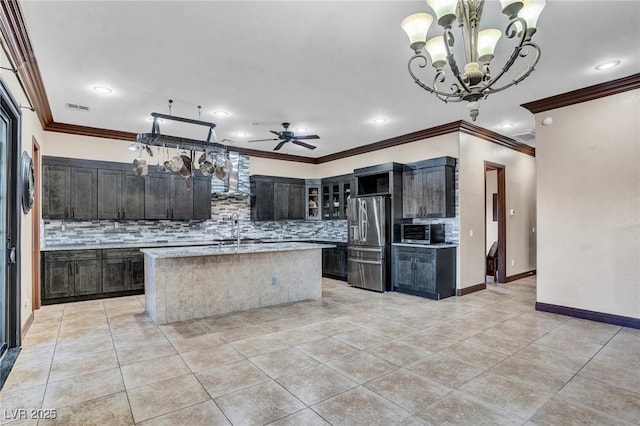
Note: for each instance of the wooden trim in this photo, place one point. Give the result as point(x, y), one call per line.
point(521, 275)
point(490, 136)
point(74, 129)
point(471, 289)
point(27, 325)
point(14, 32)
point(502, 218)
point(35, 227)
point(273, 155)
point(589, 315)
point(590, 93)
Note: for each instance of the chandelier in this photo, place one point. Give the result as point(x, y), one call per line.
point(476, 81)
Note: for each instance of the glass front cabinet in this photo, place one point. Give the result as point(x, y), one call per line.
point(336, 192)
point(313, 202)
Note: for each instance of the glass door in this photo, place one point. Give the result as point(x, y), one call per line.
point(3, 232)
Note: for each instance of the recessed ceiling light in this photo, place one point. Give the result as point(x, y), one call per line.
point(506, 125)
point(241, 134)
point(607, 65)
point(103, 90)
point(379, 120)
point(301, 129)
point(221, 113)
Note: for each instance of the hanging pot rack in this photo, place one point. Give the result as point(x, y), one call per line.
point(155, 138)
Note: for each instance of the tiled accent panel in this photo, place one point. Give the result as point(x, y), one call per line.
point(196, 287)
point(219, 186)
point(451, 224)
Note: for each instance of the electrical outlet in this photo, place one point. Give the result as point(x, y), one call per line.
point(274, 281)
point(513, 262)
point(533, 229)
point(471, 232)
point(116, 225)
point(27, 303)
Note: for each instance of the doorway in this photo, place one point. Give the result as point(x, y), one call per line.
point(10, 216)
point(495, 221)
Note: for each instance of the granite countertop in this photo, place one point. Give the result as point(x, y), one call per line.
point(437, 245)
point(173, 252)
point(98, 245)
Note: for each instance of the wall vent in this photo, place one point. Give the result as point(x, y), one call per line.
point(77, 107)
point(526, 137)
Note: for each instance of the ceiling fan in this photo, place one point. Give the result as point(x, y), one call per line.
point(286, 135)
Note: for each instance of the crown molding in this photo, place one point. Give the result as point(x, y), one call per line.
point(590, 93)
point(15, 34)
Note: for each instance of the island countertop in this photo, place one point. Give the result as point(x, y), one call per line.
point(195, 251)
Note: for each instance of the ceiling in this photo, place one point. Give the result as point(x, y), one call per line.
point(328, 66)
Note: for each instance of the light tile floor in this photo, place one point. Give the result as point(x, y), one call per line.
point(356, 358)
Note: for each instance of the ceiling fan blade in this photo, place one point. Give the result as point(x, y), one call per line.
point(279, 145)
point(308, 137)
point(306, 145)
point(274, 132)
point(264, 140)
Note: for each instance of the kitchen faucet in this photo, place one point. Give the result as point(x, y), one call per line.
point(236, 221)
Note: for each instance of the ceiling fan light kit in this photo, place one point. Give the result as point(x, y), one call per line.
point(476, 81)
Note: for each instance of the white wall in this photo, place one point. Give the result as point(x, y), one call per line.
point(520, 195)
point(589, 205)
point(491, 227)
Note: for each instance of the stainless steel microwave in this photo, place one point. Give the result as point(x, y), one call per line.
point(423, 234)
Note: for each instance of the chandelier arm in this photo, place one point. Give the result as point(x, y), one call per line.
point(448, 38)
point(419, 82)
point(523, 75)
point(510, 32)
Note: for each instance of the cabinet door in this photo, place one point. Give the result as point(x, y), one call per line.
point(136, 273)
point(109, 194)
point(58, 279)
point(157, 196)
point(403, 273)
point(342, 260)
point(88, 277)
point(114, 275)
point(435, 191)
point(132, 196)
point(425, 272)
point(181, 198)
point(262, 208)
point(84, 193)
point(281, 201)
point(297, 202)
point(413, 200)
point(201, 198)
point(56, 182)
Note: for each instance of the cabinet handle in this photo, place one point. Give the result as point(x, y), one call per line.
point(76, 268)
point(131, 265)
point(168, 217)
point(70, 269)
point(124, 213)
point(171, 212)
point(118, 213)
point(66, 212)
point(73, 212)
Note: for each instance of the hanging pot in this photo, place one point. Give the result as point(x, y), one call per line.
point(185, 170)
point(222, 167)
point(140, 167)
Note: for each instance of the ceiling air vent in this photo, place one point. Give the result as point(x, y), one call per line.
point(77, 107)
point(527, 137)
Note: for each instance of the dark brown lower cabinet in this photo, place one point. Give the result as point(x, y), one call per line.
point(91, 274)
point(334, 261)
point(424, 271)
point(71, 273)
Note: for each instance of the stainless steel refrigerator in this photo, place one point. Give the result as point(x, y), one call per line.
point(368, 220)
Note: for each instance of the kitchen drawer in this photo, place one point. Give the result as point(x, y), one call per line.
point(119, 253)
point(71, 255)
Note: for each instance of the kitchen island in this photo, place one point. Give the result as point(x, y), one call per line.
point(184, 283)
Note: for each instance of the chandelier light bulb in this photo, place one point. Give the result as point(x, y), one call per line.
point(445, 11)
point(487, 41)
point(416, 26)
point(437, 51)
point(531, 11)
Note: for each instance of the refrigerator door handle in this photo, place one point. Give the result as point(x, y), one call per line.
point(368, 262)
point(375, 250)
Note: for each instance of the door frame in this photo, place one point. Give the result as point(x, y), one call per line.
point(35, 226)
point(12, 283)
point(502, 217)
